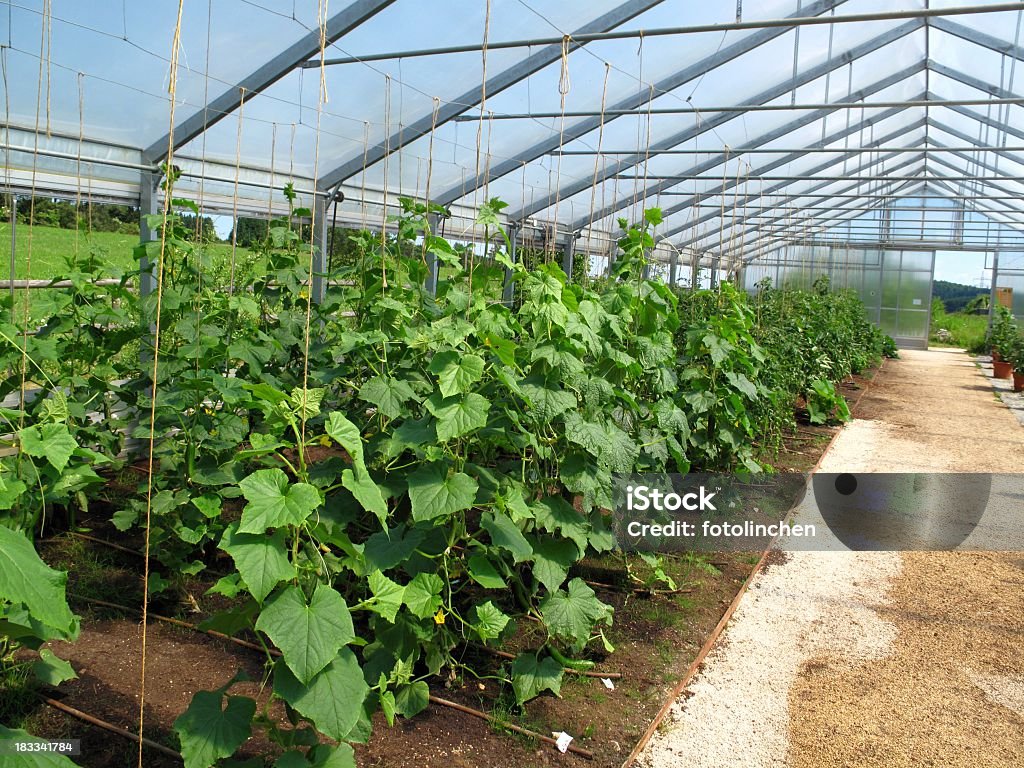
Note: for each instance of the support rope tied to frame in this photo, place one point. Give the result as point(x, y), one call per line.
point(564, 80)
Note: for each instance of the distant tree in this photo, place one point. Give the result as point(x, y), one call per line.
point(955, 296)
point(248, 232)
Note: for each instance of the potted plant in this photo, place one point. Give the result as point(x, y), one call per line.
point(1002, 339)
point(1017, 361)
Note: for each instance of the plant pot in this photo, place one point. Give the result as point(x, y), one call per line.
point(1002, 370)
point(1018, 382)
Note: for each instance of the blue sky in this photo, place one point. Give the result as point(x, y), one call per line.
point(965, 267)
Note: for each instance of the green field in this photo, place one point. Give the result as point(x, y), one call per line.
point(968, 331)
point(49, 246)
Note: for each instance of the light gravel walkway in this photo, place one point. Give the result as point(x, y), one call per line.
point(876, 659)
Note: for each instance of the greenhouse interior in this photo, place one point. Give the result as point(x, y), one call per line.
point(511, 383)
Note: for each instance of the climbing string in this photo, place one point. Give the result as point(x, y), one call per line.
point(171, 91)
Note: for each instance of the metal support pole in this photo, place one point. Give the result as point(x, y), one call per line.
point(992, 290)
point(673, 267)
point(508, 287)
point(716, 264)
point(695, 272)
point(433, 267)
point(567, 254)
point(320, 240)
point(149, 205)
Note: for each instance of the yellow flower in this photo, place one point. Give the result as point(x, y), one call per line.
point(439, 616)
point(325, 441)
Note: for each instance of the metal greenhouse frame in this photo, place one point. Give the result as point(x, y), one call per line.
point(756, 128)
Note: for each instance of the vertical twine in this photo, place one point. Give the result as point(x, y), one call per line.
point(384, 204)
point(600, 141)
point(234, 197)
point(430, 171)
point(171, 91)
point(479, 134)
point(321, 100)
point(78, 159)
point(564, 85)
point(362, 189)
point(483, 97)
point(44, 76)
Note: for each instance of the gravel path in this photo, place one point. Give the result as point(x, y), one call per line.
point(876, 659)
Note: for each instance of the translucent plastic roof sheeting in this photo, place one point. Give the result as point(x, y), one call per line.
point(86, 107)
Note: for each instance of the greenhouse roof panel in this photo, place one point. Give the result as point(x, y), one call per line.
point(564, 110)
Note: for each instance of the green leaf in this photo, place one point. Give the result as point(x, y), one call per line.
point(306, 402)
point(555, 515)
point(386, 549)
point(423, 594)
point(701, 400)
point(412, 699)
point(387, 700)
point(309, 635)
point(505, 349)
point(273, 502)
point(551, 561)
point(261, 560)
point(208, 731)
point(346, 434)
point(456, 373)
point(52, 442)
point(572, 614)
point(208, 504)
point(388, 596)
point(52, 669)
point(458, 416)
point(580, 474)
point(233, 620)
point(326, 756)
point(488, 621)
point(531, 676)
point(434, 493)
point(359, 483)
point(718, 348)
point(26, 579)
point(485, 574)
point(333, 699)
point(546, 401)
point(603, 440)
point(388, 394)
point(10, 493)
point(229, 586)
point(742, 383)
point(506, 534)
point(31, 759)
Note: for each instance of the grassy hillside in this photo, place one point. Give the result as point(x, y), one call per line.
point(49, 245)
point(965, 331)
